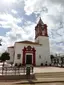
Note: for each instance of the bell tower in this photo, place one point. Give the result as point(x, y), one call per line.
point(41, 37)
point(40, 29)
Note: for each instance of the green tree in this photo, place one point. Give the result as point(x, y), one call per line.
point(4, 56)
point(51, 57)
point(62, 61)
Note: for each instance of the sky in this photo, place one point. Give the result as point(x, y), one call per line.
point(18, 19)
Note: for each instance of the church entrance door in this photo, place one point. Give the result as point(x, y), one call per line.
point(28, 59)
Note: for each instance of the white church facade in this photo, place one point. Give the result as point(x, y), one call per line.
point(34, 53)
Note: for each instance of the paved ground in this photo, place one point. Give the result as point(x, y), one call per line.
point(45, 84)
point(48, 69)
point(33, 84)
point(43, 81)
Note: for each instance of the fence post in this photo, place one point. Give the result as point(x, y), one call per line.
point(15, 70)
point(32, 69)
point(6, 70)
point(24, 70)
point(2, 70)
point(18, 71)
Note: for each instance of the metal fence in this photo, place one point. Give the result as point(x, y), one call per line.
point(14, 70)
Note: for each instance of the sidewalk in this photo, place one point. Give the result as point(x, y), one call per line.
point(47, 75)
point(40, 80)
point(30, 81)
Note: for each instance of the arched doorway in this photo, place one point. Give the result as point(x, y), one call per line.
point(28, 59)
point(28, 55)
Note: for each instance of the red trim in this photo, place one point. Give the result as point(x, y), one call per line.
point(34, 57)
point(24, 56)
point(29, 51)
point(45, 29)
point(25, 50)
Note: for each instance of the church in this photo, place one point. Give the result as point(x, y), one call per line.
point(33, 53)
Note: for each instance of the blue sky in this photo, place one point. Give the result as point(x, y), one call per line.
point(18, 19)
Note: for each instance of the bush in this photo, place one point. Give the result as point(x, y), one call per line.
point(46, 63)
point(49, 64)
point(41, 64)
point(16, 64)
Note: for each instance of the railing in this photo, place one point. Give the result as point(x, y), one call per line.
point(14, 70)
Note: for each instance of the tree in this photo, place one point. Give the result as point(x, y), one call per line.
point(57, 61)
point(51, 57)
point(4, 56)
point(62, 61)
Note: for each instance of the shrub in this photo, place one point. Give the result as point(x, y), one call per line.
point(41, 64)
point(16, 64)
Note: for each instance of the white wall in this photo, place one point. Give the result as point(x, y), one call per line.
point(11, 52)
point(18, 50)
point(44, 50)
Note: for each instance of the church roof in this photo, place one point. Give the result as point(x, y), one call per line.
point(40, 21)
point(11, 47)
point(28, 42)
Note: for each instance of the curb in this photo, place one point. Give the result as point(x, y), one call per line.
point(32, 82)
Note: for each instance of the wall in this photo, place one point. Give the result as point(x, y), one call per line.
point(41, 50)
point(44, 49)
point(18, 50)
point(11, 52)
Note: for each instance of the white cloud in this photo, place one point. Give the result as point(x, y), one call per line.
point(14, 11)
point(9, 1)
point(9, 18)
point(18, 34)
point(29, 30)
point(57, 1)
point(52, 13)
point(8, 21)
point(34, 6)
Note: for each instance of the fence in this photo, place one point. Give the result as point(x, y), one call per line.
point(14, 70)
